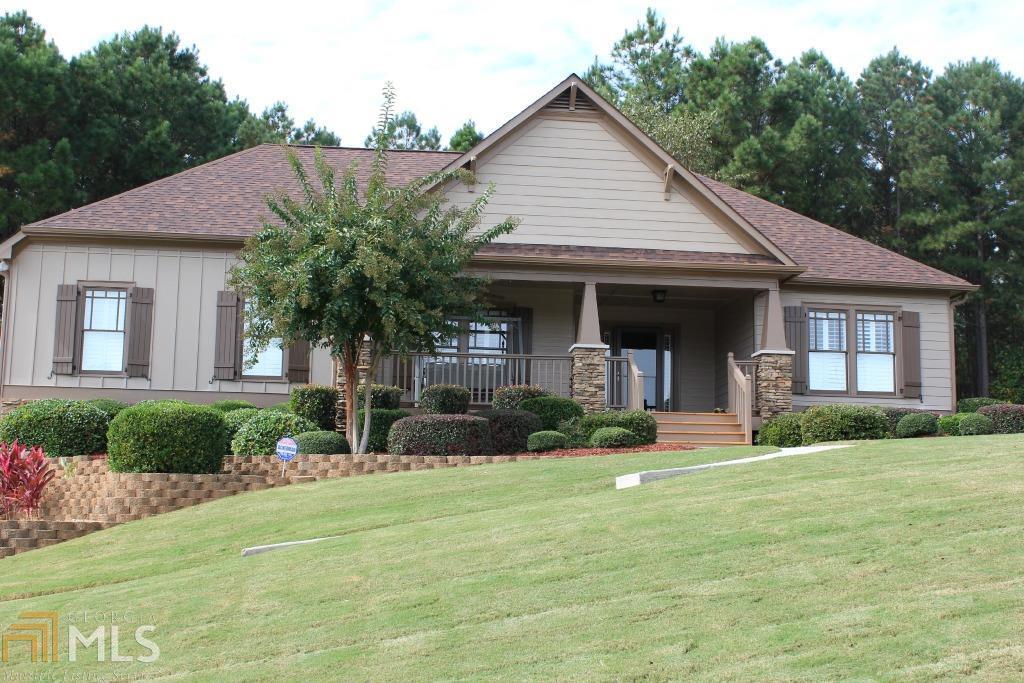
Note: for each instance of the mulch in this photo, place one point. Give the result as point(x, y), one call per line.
point(583, 452)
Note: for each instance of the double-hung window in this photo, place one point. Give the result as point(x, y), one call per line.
point(826, 350)
point(269, 360)
point(876, 353)
point(103, 329)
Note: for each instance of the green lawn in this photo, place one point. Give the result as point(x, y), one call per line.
point(898, 559)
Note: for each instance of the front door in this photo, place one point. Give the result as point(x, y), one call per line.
point(652, 353)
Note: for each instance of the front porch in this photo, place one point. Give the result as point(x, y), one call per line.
point(677, 350)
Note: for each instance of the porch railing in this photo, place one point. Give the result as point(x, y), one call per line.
point(624, 383)
point(481, 373)
point(741, 394)
point(749, 368)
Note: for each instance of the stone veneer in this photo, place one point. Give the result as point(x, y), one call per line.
point(587, 377)
point(774, 384)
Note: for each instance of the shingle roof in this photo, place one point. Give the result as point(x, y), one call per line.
point(225, 198)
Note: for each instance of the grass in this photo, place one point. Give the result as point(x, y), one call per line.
point(893, 559)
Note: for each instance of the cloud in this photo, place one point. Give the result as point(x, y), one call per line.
point(452, 60)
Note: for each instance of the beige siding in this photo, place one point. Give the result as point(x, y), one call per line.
point(936, 345)
point(734, 332)
point(696, 360)
point(572, 182)
point(185, 282)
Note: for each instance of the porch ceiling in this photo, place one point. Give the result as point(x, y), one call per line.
point(675, 297)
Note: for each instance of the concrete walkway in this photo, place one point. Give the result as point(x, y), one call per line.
point(630, 480)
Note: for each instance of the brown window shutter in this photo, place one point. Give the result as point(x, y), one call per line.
point(65, 330)
point(226, 355)
point(911, 354)
point(140, 330)
point(298, 362)
point(796, 337)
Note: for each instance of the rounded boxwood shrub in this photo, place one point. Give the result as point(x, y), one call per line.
point(510, 429)
point(322, 443)
point(950, 424)
point(108, 406)
point(640, 422)
point(317, 403)
point(553, 410)
point(842, 422)
point(1007, 418)
point(167, 437)
point(440, 435)
point(546, 441)
point(917, 424)
point(974, 424)
point(260, 433)
point(445, 399)
point(971, 405)
point(509, 398)
point(781, 431)
point(381, 396)
point(233, 421)
point(58, 426)
point(229, 404)
point(893, 415)
point(381, 420)
point(613, 437)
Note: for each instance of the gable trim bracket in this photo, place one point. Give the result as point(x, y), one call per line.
point(668, 174)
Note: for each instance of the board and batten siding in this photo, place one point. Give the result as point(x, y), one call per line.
point(572, 182)
point(936, 343)
point(185, 284)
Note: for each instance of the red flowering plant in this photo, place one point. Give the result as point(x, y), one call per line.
point(24, 474)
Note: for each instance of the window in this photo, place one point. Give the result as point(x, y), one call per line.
point(269, 359)
point(103, 330)
point(501, 334)
point(876, 353)
point(826, 362)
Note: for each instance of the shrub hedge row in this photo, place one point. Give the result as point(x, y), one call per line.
point(440, 435)
point(1006, 418)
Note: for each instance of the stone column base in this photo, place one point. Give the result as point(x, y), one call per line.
point(774, 384)
point(587, 377)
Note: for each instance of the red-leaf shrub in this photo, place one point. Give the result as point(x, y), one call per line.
point(1006, 418)
point(24, 474)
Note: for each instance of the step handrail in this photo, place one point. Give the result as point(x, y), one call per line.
point(741, 392)
point(635, 394)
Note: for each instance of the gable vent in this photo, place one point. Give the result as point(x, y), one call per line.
point(561, 103)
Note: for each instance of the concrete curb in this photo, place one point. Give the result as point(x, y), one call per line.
point(637, 478)
point(259, 549)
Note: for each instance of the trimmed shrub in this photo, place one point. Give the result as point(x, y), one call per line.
point(440, 435)
point(613, 437)
point(285, 407)
point(950, 424)
point(108, 406)
point(781, 431)
point(917, 424)
point(974, 424)
point(1007, 418)
point(317, 403)
point(229, 404)
point(510, 429)
point(58, 426)
point(971, 405)
point(381, 396)
point(322, 443)
point(640, 422)
point(842, 422)
point(260, 433)
point(893, 415)
point(233, 421)
point(381, 420)
point(167, 437)
point(509, 398)
point(545, 441)
point(445, 399)
point(553, 410)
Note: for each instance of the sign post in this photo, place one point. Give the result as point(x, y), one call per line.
point(286, 450)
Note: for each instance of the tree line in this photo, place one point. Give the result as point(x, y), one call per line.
point(132, 109)
point(928, 165)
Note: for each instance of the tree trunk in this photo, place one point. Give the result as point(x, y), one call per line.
point(981, 387)
point(351, 396)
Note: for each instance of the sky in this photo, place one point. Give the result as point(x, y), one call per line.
point(452, 60)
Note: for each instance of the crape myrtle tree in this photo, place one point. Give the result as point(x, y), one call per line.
point(364, 273)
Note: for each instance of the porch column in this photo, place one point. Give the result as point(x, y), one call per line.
point(775, 361)
point(587, 375)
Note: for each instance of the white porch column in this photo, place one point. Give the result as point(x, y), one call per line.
point(775, 361)
point(587, 376)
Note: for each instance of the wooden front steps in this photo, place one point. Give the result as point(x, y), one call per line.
point(700, 429)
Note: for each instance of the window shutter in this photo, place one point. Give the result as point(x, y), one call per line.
point(140, 330)
point(298, 362)
point(65, 330)
point(226, 359)
point(796, 337)
point(911, 354)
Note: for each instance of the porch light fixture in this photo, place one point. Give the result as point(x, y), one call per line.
point(659, 295)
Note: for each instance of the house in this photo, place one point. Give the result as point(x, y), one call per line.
point(631, 282)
